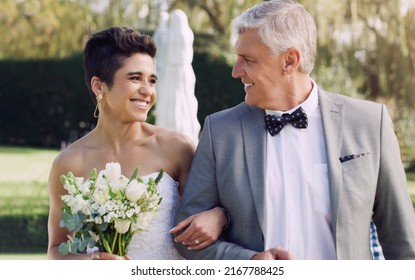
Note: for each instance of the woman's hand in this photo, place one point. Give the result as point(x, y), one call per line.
point(202, 229)
point(97, 255)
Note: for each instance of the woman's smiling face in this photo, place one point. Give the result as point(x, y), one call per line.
point(133, 92)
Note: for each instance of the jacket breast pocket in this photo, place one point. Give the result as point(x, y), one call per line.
point(355, 163)
point(359, 181)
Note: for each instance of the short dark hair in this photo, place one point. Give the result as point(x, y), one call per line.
point(106, 50)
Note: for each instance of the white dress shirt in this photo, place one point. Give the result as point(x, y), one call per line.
point(297, 199)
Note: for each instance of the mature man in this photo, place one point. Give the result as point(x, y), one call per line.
point(302, 172)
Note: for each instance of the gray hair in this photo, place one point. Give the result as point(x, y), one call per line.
point(282, 24)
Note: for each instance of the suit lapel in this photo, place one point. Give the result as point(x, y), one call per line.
point(332, 117)
point(254, 137)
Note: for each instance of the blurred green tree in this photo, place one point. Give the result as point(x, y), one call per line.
point(365, 47)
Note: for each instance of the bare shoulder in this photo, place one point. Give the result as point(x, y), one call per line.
point(70, 159)
point(178, 151)
point(67, 160)
point(174, 142)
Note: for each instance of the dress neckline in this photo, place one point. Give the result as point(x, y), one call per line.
point(156, 173)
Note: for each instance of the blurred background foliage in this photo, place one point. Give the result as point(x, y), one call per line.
point(366, 49)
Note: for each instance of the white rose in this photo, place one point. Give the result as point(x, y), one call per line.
point(122, 226)
point(113, 172)
point(101, 195)
point(118, 187)
point(135, 190)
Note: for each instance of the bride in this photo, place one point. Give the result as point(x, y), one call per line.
point(119, 66)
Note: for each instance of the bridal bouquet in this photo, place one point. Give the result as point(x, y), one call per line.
point(106, 209)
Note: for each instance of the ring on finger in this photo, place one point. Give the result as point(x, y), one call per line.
point(197, 241)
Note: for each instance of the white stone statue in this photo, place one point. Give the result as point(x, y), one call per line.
point(176, 106)
point(160, 37)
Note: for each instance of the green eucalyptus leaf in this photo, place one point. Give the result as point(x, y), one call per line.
point(65, 215)
point(103, 226)
point(90, 241)
point(62, 224)
point(70, 225)
point(73, 248)
point(63, 248)
point(82, 246)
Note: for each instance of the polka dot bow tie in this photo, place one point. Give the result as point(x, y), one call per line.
point(274, 124)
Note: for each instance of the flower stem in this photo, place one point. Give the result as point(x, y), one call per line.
point(120, 247)
point(104, 240)
point(114, 240)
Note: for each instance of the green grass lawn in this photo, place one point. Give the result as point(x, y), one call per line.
point(23, 191)
point(23, 186)
point(23, 180)
point(25, 164)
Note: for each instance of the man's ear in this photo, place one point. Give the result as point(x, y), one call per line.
point(292, 60)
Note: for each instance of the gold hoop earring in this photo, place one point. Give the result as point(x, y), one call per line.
point(96, 111)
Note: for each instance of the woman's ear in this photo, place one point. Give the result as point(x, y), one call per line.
point(292, 61)
point(96, 85)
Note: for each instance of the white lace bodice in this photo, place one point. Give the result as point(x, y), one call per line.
point(156, 243)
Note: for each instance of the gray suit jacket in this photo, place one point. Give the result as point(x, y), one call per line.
point(228, 170)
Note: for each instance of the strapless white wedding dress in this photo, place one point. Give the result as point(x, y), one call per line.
point(156, 242)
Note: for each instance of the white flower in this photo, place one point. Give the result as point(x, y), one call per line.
point(76, 203)
point(100, 179)
point(143, 221)
point(79, 181)
point(102, 209)
point(129, 213)
point(118, 187)
point(98, 220)
point(122, 226)
point(113, 172)
point(85, 187)
point(69, 187)
point(135, 190)
point(101, 194)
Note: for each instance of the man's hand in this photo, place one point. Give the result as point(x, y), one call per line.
point(276, 253)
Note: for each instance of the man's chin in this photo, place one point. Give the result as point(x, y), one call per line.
point(250, 102)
